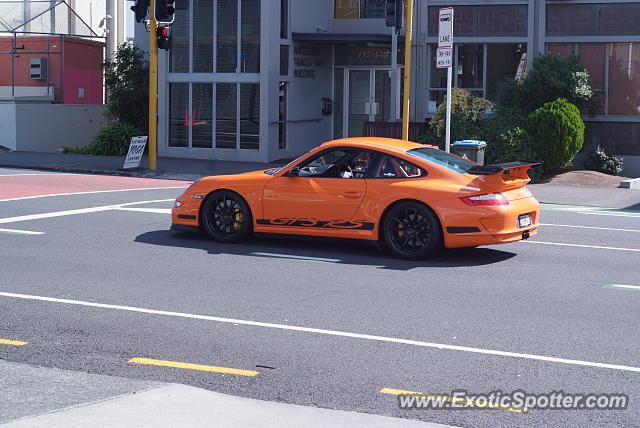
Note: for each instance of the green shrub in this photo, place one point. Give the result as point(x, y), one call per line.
point(111, 141)
point(557, 132)
point(598, 160)
point(466, 118)
point(552, 77)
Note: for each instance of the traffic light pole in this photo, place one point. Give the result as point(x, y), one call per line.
point(407, 69)
point(153, 89)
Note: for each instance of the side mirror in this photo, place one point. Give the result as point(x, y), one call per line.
point(293, 172)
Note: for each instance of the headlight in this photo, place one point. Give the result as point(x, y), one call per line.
point(177, 204)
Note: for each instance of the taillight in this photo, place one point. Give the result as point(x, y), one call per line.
point(489, 199)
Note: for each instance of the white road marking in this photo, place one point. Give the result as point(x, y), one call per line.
point(612, 213)
point(590, 227)
point(290, 256)
point(91, 193)
point(32, 174)
point(582, 246)
point(337, 333)
point(82, 211)
point(20, 232)
point(146, 210)
point(623, 286)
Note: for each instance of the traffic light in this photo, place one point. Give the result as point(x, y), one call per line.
point(164, 37)
point(393, 13)
point(140, 9)
point(165, 11)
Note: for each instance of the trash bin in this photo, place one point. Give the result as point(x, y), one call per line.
point(470, 149)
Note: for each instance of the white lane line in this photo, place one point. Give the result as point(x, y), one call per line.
point(440, 346)
point(623, 287)
point(290, 256)
point(582, 246)
point(146, 210)
point(91, 193)
point(590, 227)
point(32, 174)
point(612, 214)
point(78, 211)
point(20, 232)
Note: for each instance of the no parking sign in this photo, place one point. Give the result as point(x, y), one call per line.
point(136, 149)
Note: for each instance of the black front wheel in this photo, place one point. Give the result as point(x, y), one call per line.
point(226, 217)
point(411, 231)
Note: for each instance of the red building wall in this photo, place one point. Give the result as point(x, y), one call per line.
point(73, 63)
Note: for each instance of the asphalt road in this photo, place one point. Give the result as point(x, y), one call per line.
point(331, 328)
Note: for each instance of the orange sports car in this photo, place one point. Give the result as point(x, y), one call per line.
point(410, 198)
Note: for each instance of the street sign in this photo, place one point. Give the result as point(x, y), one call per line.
point(445, 28)
point(444, 57)
point(136, 149)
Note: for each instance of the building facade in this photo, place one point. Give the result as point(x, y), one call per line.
point(261, 80)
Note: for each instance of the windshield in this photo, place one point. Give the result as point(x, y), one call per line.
point(445, 159)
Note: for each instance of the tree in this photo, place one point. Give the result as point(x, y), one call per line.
point(127, 86)
point(466, 116)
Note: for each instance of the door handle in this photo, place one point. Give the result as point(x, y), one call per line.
point(352, 195)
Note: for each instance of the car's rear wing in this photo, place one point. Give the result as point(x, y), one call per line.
point(506, 168)
point(505, 176)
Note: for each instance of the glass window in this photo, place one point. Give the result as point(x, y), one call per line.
point(624, 79)
point(202, 36)
point(474, 21)
point(470, 66)
point(226, 119)
point(249, 116)
point(179, 62)
point(323, 165)
point(202, 115)
point(284, 60)
point(562, 49)
point(502, 64)
point(593, 19)
point(227, 33)
point(441, 158)
point(372, 8)
point(284, 19)
point(386, 166)
point(250, 37)
point(179, 115)
point(347, 9)
point(621, 18)
point(282, 116)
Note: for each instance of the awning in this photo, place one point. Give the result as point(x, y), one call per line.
point(343, 38)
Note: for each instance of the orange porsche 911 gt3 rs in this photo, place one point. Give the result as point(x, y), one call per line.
point(411, 198)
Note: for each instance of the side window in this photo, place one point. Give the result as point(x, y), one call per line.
point(386, 166)
point(328, 164)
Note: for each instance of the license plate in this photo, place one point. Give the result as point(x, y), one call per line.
point(524, 220)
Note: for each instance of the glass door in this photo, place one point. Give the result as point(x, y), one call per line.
point(359, 101)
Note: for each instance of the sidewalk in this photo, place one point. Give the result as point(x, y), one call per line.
point(38, 397)
point(192, 169)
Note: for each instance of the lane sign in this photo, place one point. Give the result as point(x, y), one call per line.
point(445, 28)
point(444, 57)
point(136, 149)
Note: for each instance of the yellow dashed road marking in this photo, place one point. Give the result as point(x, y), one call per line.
point(189, 366)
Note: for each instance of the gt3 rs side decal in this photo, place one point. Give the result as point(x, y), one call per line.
point(315, 223)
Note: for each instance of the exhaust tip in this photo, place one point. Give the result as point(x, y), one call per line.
point(525, 235)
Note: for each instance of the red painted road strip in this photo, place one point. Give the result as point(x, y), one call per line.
point(17, 186)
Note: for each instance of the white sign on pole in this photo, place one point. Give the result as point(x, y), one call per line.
point(444, 57)
point(136, 149)
point(445, 28)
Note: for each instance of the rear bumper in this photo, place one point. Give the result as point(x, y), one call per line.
point(492, 224)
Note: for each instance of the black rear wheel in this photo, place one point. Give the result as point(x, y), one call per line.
point(226, 217)
point(411, 231)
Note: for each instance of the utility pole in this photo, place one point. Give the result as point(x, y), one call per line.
point(407, 68)
point(153, 88)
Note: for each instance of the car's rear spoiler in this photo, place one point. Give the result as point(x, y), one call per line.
point(505, 176)
point(506, 167)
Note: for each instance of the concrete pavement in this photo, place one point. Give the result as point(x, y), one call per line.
point(39, 397)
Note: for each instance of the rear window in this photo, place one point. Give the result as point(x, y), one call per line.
point(454, 163)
